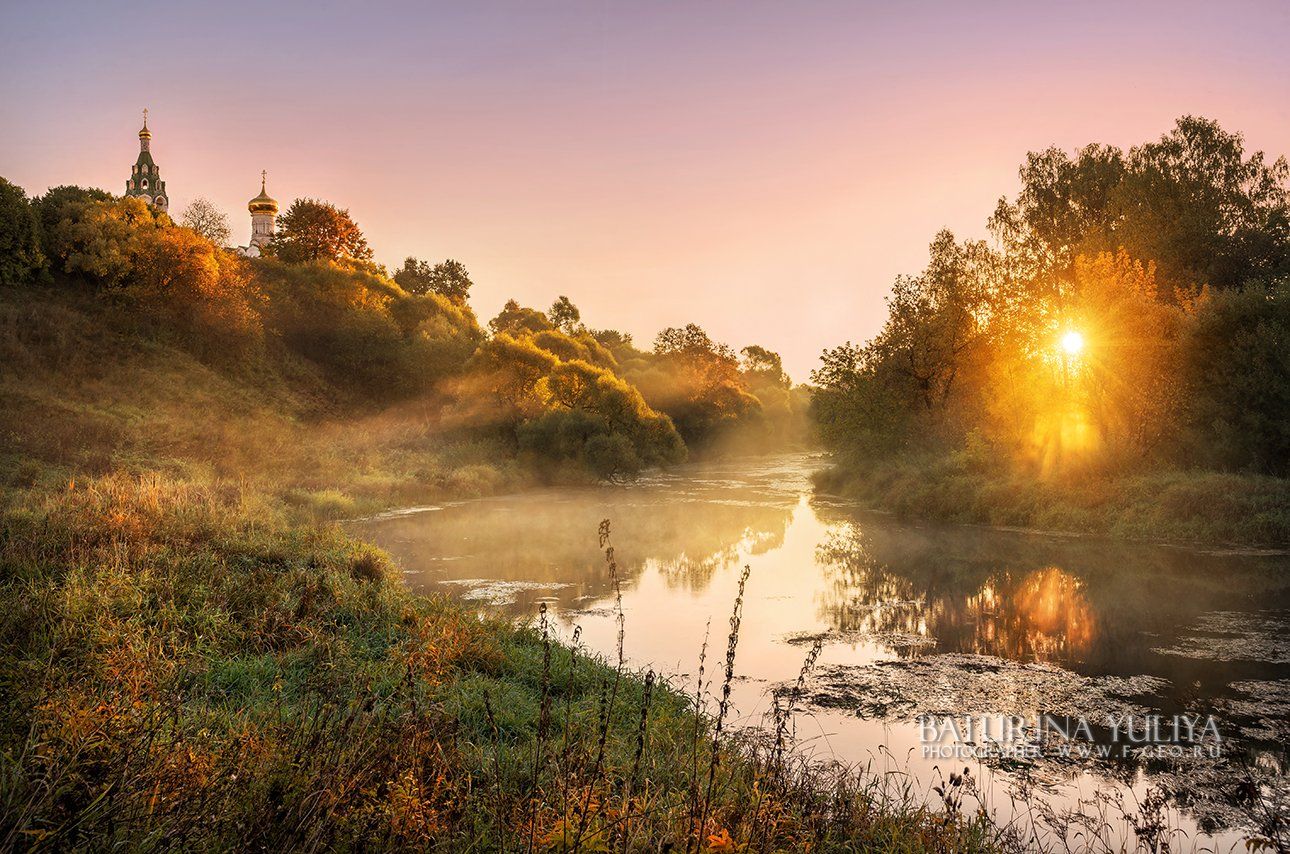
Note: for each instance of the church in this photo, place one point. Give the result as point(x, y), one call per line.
point(264, 214)
point(145, 178)
point(145, 183)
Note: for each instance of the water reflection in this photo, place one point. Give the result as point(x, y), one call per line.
point(1051, 614)
point(1040, 614)
point(542, 545)
point(1070, 617)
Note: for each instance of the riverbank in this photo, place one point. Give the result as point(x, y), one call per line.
point(1198, 508)
point(199, 665)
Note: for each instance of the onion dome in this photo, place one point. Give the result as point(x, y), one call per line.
point(262, 203)
point(144, 133)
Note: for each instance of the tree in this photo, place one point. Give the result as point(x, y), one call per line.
point(612, 339)
point(20, 256)
point(1128, 379)
point(765, 365)
point(1202, 210)
point(857, 414)
point(312, 230)
point(100, 239)
point(697, 382)
point(1063, 202)
point(193, 284)
point(907, 384)
point(516, 320)
point(564, 315)
point(1237, 371)
point(415, 276)
point(210, 222)
point(447, 278)
point(62, 202)
point(932, 320)
point(1193, 202)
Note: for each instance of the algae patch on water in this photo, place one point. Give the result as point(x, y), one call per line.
point(966, 684)
point(1259, 636)
point(498, 593)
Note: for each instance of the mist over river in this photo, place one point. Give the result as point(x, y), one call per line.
point(913, 619)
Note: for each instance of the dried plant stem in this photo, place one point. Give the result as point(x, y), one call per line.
point(608, 711)
point(723, 709)
point(566, 772)
point(544, 717)
point(641, 733)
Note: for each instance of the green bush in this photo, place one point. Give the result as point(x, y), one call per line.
point(21, 259)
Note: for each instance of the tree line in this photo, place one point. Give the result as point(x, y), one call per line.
point(563, 397)
point(1131, 311)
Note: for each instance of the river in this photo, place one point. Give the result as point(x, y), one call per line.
point(912, 619)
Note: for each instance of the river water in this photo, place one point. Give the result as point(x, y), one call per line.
point(914, 620)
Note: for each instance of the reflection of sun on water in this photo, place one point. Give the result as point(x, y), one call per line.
point(1055, 613)
point(1041, 615)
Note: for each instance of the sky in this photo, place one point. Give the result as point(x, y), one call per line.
point(762, 169)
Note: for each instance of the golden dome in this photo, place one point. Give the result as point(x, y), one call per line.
point(263, 203)
point(144, 133)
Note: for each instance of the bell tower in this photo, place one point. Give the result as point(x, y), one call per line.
point(264, 215)
point(145, 178)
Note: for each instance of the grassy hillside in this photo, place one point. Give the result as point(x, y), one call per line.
point(89, 387)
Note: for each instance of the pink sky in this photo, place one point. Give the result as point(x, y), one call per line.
point(761, 169)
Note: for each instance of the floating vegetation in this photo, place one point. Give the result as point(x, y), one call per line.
point(963, 684)
point(1261, 636)
point(499, 593)
point(1264, 712)
point(893, 640)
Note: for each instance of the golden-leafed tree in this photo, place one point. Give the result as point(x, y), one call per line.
point(98, 240)
point(1128, 371)
point(183, 277)
point(312, 230)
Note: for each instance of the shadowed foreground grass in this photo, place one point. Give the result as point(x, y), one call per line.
point(194, 666)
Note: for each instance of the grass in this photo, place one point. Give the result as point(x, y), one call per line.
point(1186, 507)
point(193, 666)
point(195, 656)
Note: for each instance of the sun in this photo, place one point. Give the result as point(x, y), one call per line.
point(1072, 343)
